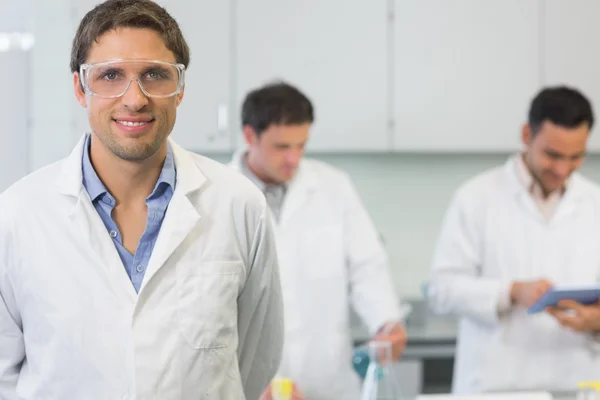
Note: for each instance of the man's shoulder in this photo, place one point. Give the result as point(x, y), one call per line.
point(31, 195)
point(589, 186)
point(493, 179)
point(32, 187)
point(482, 190)
point(324, 173)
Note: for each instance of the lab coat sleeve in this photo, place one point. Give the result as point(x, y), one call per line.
point(12, 348)
point(456, 284)
point(260, 313)
point(372, 292)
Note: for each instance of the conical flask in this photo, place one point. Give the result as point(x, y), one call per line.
point(380, 383)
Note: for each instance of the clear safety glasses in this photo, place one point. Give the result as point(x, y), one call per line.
point(111, 79)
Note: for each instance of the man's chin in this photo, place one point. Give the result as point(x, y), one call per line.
point(554, 186)
point(285, 177)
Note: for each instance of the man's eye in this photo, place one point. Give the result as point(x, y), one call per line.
point(110, 76)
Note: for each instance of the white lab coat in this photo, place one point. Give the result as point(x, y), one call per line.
point(493, 234)
point(206, 324)
point(330, 254)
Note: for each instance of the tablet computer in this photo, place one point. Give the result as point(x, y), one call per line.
point(581, 294)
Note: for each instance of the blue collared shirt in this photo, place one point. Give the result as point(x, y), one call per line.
point(158, 201)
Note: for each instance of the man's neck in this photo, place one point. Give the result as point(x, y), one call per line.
point(128, 182)
point(251, 165)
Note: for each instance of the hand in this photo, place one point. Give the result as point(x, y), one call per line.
point(296, 395)
point(395, 334)
point(527, 293)
point(576, 316)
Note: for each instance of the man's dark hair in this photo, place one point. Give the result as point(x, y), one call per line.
point(113, 14)
point(276, 103)
point(561, 105)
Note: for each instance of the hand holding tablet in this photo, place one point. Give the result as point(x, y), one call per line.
point(585, 295)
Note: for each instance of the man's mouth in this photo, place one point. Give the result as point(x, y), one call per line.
point(133, 123)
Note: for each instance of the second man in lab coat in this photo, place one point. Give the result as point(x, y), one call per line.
point(511, 233)
point(329, 250)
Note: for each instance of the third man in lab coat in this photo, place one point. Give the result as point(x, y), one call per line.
point(329, 251)
point(510, 234)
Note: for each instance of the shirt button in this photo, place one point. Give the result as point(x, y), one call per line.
point(113, 234)
point(139, 268)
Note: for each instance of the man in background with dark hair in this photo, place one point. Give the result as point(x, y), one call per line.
point(329, 251)
point(509, 235)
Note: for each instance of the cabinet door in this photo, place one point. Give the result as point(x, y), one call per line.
point(464, 74)
point(571, 32)
point(203, 118)
point(334, 51)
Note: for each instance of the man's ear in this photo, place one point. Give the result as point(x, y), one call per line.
point(78, 88)
point(526, 135)
point(180, 96)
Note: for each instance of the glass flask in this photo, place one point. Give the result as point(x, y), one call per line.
point(380, 382)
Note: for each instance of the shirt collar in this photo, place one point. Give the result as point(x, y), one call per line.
point(96, 188)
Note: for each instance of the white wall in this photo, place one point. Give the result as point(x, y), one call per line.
point(14, 118)
point(14, 94)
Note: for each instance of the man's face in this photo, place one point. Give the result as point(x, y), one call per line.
point(277, 152)
point(134, 126)
point(554, 153)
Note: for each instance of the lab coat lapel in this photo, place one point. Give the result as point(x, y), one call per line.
point(570, 201)
point(90, 229)
point(236, 160)
point(300, 188)
point(181, 217)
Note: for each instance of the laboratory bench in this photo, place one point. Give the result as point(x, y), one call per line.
point(427, 363)
point(433, 337)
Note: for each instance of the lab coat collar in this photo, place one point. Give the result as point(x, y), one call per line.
point(238, 158)
point(305, 182)
point(300, 188)
point(189, 176)
point(181, 218)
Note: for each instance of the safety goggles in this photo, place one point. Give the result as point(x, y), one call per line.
point(111, 79)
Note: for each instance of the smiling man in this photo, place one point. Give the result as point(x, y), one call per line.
point(134, 269)
point(509, 235)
